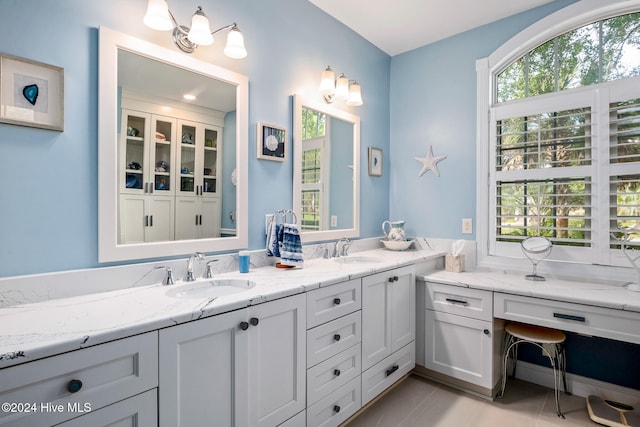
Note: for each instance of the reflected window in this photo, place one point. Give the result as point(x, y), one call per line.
point(314, 168)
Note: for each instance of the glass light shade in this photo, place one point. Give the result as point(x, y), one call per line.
point(327, 84)
point(200, 33)
point(342, 87)
point(235, 45)
point(157, 16)
point(355, 95)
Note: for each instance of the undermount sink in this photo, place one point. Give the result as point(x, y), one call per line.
point(357, 260)
point(211, 288)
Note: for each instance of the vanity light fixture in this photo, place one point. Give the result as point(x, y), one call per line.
point(159, 17)
point(341, 88)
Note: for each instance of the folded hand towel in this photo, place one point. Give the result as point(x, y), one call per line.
point(291, 249)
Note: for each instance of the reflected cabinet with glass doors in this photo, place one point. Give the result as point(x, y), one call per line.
point(169, 186)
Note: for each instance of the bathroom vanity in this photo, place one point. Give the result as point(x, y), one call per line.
point(303, 347)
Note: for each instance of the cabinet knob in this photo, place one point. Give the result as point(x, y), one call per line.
point(244, 326)
point(74, 386)
point(390, 279)
point(336, 372)
point(486, 332)
point(396, 278)
point(336, 409)
point(336, 301)
point(254, 321)
point(336, 337)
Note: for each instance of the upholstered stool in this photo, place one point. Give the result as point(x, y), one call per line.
point(551, 341)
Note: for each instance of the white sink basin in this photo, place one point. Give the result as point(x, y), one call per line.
point(211, 288)
point(357, 260)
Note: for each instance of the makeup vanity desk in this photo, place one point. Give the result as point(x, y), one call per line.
point(593, 309)
point(456, 304)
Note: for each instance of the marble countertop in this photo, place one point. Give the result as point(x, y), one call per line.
point(37, 330)
point(581, 292)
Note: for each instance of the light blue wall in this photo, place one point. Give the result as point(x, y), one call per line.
point(48, 220)
point(433, 102)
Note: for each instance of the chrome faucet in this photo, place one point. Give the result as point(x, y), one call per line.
point(196, 255)
point(169, 280)
point(208, 272)
point(344, 251)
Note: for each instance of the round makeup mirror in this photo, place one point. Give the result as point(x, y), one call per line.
point(536, 249)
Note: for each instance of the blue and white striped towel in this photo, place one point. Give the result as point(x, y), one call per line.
point(291, 247)
point(274, 238)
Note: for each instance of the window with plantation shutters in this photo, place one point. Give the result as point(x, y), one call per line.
point(564, 144)
point(624, 181)
point(542, 177)
point(314, 170)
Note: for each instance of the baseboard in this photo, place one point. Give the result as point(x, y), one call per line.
point(578, 385)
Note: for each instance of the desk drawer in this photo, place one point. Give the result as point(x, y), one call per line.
point(102, 374)
point(585, 319)
point(337, 407)
point(331, 302)
point(331, 338)
point(327, 376)
point(474, 303)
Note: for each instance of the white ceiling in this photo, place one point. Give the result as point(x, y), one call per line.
point(397, 26)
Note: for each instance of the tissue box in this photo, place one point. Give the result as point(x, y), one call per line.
point(454, 263)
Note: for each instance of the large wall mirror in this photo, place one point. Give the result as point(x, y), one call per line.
point(172, 152)
point(326, 170)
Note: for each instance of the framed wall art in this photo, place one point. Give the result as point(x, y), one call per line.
point(272, 142)
point(31, 93)
point(375, 161)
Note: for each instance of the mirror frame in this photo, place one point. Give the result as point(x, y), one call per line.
point(300, 101)
point(108, 247)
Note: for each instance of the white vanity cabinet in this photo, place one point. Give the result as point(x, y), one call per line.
point(93, 386)
point(333, 353)
point(243, 368)
point(461, 339)
point(388, 329)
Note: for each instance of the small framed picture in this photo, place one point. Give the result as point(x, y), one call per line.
point(272, 142)
point(375, 161)
point(31, 93)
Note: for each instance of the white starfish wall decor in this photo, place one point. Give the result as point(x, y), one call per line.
point(430, 162)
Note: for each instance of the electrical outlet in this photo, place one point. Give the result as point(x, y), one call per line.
point(334, 220)
point(467, 226)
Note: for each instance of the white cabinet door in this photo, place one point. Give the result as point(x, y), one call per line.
point(210, 220)
point(460, 347)
point(159, 220)
point(276, 357)
point(188, 210)
point(203, 372)
point(403, 313)
point(388, 314)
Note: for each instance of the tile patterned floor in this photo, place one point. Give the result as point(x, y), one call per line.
point(417, 402)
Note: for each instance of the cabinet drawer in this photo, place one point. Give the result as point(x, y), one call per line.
point(474, 303)
point(327, 376)
point(383, 374)
point(108, 373)
point(331, 302)
point(585, 319)
point(331, 338)
point(337, 407)
point(140, 410)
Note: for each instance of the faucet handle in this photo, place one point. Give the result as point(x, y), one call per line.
point(208, 272)
point(169, 280)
